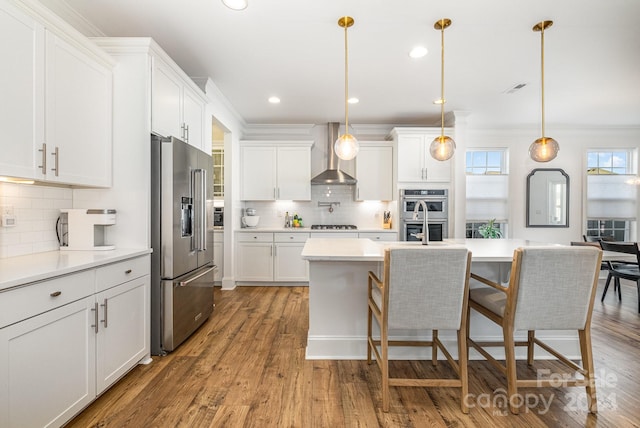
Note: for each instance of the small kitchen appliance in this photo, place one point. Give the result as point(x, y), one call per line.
point(85, 229)
point(250, 219)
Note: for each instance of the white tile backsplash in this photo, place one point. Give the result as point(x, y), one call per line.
point(36, 209)
point(364, 214)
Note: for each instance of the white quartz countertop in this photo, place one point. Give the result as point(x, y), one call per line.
point(21, 270)
point(358, 249)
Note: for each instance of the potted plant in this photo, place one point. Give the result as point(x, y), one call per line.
point(490, 230)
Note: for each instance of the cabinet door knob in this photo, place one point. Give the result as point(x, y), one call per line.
point(128, 271)
point(55, 293)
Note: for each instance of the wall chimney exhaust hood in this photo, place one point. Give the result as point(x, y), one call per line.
point(332, 175)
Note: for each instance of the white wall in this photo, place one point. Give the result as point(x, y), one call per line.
point(571, 158)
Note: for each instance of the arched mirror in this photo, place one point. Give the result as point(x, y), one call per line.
point(548, 198)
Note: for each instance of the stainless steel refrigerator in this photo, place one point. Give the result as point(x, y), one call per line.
point(182, 266)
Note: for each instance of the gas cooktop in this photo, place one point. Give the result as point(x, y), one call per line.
point(333, 227)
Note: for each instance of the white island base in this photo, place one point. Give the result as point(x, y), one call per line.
point(338, 270)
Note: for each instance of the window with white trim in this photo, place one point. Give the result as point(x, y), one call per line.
point(487, 190)
point(611, 193)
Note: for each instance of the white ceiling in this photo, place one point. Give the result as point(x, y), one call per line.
point(294, 49)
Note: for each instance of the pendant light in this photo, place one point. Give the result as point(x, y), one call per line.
point(442, 147)
point(346, 146)
point(544, 148)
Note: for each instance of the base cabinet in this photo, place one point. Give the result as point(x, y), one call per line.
point(48, 366)
point(71, 338)
point(218, 256)
point(119, 346)
point(268, 257)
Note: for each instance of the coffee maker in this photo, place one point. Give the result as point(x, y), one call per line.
point(85, 229)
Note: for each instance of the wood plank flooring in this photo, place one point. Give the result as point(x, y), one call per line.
point(246, 368)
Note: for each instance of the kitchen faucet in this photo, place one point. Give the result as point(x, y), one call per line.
point(425, 225)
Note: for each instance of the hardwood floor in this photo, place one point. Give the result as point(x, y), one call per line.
point(246, 368)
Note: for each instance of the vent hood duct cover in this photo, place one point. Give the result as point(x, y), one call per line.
point(332, 175)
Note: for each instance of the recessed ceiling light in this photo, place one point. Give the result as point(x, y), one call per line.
point(353, 100)
point(418, 52)
point(236, 4)
point(274, 100)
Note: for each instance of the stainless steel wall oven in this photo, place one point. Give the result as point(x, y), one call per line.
point(437, 201)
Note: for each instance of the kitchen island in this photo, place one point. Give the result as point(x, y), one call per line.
point(338, 271)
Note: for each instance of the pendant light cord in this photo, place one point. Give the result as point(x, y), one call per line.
point(442, 81)
point(346, 81)
point(542, 75)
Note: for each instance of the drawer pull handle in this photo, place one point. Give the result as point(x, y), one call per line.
point(55, 293)
point(128, 271)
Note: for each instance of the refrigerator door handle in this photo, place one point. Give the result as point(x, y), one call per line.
point(193, 278)
point(199, 191)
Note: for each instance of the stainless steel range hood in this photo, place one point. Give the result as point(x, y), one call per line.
point(332, 175)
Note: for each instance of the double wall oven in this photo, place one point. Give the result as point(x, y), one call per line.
point(437, 201)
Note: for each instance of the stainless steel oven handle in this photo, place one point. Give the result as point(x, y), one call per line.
point(183, 283)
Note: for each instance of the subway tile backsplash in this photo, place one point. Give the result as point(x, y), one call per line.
point(36, 209)
point(364, 214)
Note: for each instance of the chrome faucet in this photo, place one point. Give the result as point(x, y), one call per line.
point(425, 225)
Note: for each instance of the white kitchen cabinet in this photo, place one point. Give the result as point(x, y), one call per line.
point(78, 116)
point(47, 350)
point(268, 257)
point(254, 260)
point(218, 255)
point(415, 163)
point(22, 88)
point(62, 344)
point(275, 170)
point(374, 172)
point(177, 108)
point(122, 338)
point(48, 366)
point(56, 112)
point(288, 262)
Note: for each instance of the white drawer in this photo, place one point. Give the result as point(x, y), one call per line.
point(35, 298)
point(117, 273)
point(255, 237)
point(290, 237)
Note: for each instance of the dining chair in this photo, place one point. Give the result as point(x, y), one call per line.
point(622, 270)
point(422, 290)
point(550, 288)
point(589, 243)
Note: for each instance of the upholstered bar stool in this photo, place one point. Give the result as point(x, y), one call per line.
point(423, 289)
point(550, 288)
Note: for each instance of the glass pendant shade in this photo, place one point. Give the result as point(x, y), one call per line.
point(346, 147)
point(544, 149)
point(442, 148)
